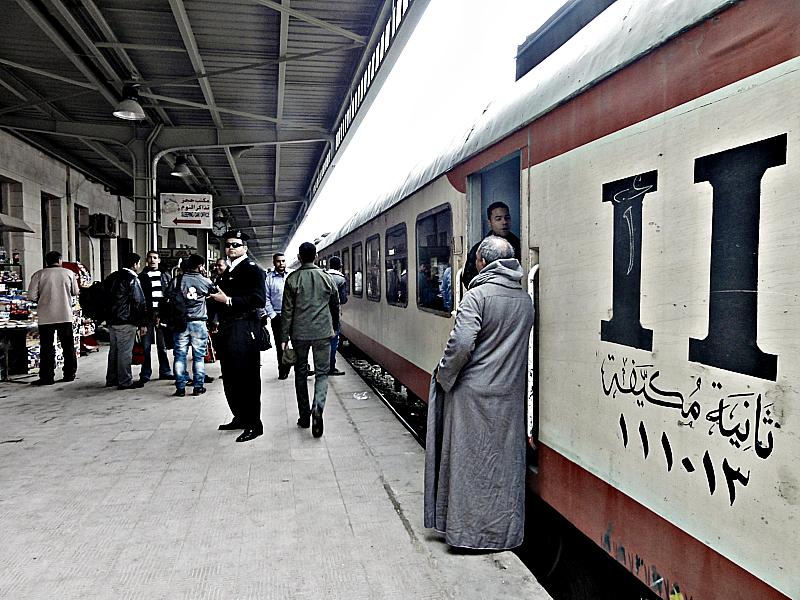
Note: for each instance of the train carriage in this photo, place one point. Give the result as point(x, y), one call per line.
point(650, 166)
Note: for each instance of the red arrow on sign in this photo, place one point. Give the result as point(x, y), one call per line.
point(192, 222)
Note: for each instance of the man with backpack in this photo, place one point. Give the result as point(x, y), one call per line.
point(193, 288)
point(127, 312)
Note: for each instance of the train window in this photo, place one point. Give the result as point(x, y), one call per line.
point(434, 247)
point(397, 265)
point(346, 266)
point(358, 270)
point(374, 268)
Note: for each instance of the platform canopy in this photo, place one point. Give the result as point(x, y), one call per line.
point(256, 96)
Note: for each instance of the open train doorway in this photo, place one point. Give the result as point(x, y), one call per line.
point(496, 183)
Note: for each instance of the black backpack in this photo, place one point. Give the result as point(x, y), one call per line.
point(172, 307)
point(93, 301)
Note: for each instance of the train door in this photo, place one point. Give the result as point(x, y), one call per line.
point(499, 182)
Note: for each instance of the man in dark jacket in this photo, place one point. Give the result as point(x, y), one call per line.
point(241, 295)
point(498, 218)
point(127, 312)
point(154, 281)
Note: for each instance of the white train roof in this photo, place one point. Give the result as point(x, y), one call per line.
point(624, 32)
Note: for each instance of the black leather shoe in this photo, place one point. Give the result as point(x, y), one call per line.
point(180, 393)
point(304, 422)
point(248, 434)
point(67, 378)
point(169, 377)
point(336, 372)
point(42, 382)
point(316, 425)
point(143, 380)
point(283, 376)
point(230, 426)
point(209, 379)
point(131, 386)
point(198, 391)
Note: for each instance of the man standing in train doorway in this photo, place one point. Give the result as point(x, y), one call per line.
point(498, 218)
point(475, 450)
point(240, 296)
point(310, 316)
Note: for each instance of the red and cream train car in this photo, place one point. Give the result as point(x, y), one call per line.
point(651, 167)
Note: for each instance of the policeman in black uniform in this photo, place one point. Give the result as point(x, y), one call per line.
point(241, 292)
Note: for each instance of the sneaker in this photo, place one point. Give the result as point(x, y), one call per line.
point(198, 391)
point(180, 393)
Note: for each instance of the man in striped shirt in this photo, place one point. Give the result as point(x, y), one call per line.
point(154, 282)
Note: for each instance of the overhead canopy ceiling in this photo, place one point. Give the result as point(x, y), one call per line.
point(259, 96)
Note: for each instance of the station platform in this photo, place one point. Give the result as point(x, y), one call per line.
point(112, 494)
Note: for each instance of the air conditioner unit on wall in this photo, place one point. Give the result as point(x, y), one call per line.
point(102, 226)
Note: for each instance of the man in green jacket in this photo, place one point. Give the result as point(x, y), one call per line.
point(310, 318)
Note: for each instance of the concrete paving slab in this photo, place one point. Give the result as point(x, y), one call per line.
point(135, 494)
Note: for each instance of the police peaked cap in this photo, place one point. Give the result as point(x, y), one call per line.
point(235, 233)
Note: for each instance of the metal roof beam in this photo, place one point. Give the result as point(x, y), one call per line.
point(230, 111)
point(313, 20)
point(256, 200)
point(254, 65)
point(172, 138)
point(109, 34)
point(69, 52)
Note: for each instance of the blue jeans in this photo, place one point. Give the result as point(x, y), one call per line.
point(335, 346)
point(196, 334)
point(163, 359)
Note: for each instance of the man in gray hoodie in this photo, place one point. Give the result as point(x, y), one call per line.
point(475, 451)
point(195, 288)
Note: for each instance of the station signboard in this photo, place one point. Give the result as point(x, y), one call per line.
point(188, 211)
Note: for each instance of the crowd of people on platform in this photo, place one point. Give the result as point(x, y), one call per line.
point(474, 485)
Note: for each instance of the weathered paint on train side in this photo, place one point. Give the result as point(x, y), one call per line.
point(685, 405)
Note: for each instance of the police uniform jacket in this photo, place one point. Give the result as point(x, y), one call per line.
point(244, 285)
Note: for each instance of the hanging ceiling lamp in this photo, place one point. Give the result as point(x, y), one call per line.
point(181, 169)
point(130, 109)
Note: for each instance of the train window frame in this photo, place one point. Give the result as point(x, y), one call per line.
point(375, 241)
point(345, 257)
point(358, 252)
point(433, 212)
point(390, 233)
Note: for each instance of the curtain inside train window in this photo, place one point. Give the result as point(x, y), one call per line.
point(397, 265)
point(434, 250)
point(374, 268)
point(358, 270)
